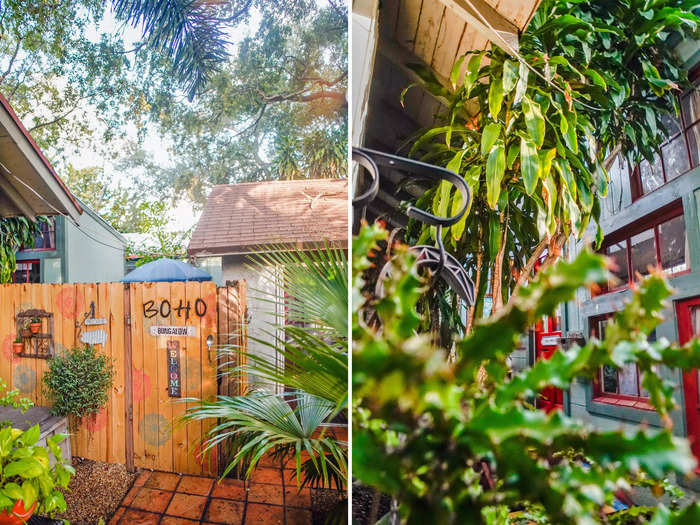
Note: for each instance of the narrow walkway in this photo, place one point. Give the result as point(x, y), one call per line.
point(270, 498)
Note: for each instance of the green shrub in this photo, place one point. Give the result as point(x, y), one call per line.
point(460, 442)
point(26, 471)
point(78, 382)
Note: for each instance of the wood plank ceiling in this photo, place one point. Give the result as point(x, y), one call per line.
point(432, 33)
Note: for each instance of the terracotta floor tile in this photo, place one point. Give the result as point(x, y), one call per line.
point(130, 496)
point(187, 506)
point(263, 493)
point(290, 476)
point(267, 475)
point(298, 517)
point(230, 489)
point(195, 485)
point(259, 514)
point(225, 511)
point(297, 498)
point(152, 500)
point(139, 517)
point(172, 520)
point(117, 515)
point(162, 480)
point(143, 477)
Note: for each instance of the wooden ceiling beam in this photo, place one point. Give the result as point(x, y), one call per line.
point(482, 17)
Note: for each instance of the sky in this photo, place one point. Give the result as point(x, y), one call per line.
point(183, 215)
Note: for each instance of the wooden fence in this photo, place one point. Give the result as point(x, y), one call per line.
point(150, 331)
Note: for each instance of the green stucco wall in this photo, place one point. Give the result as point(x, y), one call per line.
point(580, 400)
point(88, 253)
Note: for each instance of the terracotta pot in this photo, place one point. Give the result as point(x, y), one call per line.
point(26, 332)
point(35, 327)
point(18, 516)
point(18, 348)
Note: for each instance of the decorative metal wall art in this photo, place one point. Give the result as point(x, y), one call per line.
point(434, 258)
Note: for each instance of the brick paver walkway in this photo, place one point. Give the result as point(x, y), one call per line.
point(271, 498)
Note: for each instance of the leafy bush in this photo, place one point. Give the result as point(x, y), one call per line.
point(78, 382)
point(456, 445)
point(26, 471)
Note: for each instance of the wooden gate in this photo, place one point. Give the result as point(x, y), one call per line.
point(162, 339)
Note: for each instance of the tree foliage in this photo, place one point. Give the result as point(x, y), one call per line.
point(15, 232)
point(276, 110)
point(455, 446)
point(591, 77)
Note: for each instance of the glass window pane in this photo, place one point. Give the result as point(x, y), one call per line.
point(671, 123)
point(609, 379)
point(673, 245)
point(675, 158)
point(618, 253)
point(619, 195)
point(693, 136)
point(643, 250)
point(628, 379)
point(690, 107)
point(651, 174)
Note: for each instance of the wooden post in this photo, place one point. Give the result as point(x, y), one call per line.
point(128, 383)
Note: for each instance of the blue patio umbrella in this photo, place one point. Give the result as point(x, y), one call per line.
point(168, 270)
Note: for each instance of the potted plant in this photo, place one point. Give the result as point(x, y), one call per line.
point(35, 325)
point(28, 483)
point(25, 331)
point(18, 345)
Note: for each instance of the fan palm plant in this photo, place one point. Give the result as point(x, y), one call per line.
point(311, 287)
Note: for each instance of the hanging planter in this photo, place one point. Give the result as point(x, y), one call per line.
point(19, 515)
point(18, 346)
point(35, 325)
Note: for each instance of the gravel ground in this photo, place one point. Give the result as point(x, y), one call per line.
point(362, 501)
point(95, 491)
point(323, 502)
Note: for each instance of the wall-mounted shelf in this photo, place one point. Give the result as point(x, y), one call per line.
point(39, 345)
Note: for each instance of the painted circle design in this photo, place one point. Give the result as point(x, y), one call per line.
point(97, 422)
point(142, 385)
point(7, 348)
point(24, 379)
point(68, 303)
point(154, 429)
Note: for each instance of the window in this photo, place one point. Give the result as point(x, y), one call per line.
point(27, 272)
point(618, 386)
point(679, 153)
point(660, 241)
point(46, 238)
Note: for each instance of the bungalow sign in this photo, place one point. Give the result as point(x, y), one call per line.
point(164, 310)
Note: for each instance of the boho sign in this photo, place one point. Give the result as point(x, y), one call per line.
point(173, 351)
point(169, 331)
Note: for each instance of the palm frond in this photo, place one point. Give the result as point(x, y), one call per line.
point(312, 285)
point(189, 32)
point(262, 423)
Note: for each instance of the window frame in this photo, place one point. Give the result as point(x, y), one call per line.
point(635, 174)
point(615, 398)
point(651, 221)
point(52, 236)
point(26, 271)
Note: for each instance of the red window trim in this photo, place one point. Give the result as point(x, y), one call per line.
point(26, 272)
point(653, 220)
point(635, 175)
point(610, 398)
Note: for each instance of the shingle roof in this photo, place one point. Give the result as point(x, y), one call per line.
point(241, 218)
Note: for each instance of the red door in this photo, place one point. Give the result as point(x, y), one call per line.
point(688, 313)
point(550, 398)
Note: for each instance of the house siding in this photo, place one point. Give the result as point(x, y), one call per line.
point(577, 314)
point(262, 315)
point(86, 253)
